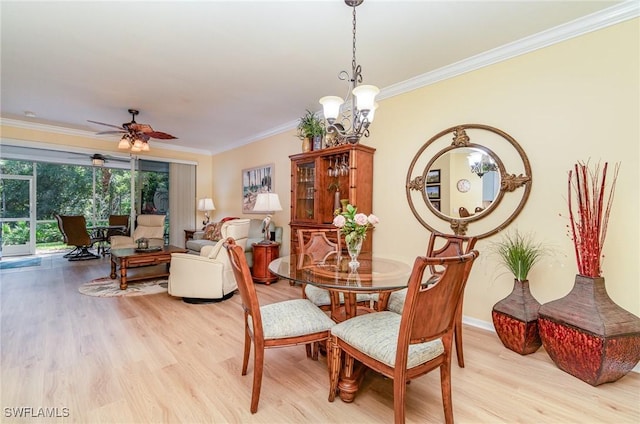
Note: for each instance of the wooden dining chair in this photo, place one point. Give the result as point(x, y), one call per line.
point(441, 245)
point(315, 245)
point(280, 324)
point(407, 346)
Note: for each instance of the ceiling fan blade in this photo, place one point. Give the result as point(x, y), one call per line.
point(144, 128)
point(111, 132)
point(102, 123)
point(160, 135)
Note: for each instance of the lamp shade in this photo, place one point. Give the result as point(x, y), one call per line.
point(206, 204)
point(267, 202)
point(365, 96)
point(124, 142)
point(331, 106)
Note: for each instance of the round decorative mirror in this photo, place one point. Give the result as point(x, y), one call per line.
point(479, 174)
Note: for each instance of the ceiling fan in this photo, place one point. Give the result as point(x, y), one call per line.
point(135, 135)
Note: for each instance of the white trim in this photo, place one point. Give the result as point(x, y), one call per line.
point(28, 125)
point(84, 150)
point(605, 18)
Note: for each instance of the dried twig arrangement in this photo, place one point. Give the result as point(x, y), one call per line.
point(588, 223)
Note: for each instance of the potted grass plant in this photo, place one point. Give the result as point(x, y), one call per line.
point(515, 318)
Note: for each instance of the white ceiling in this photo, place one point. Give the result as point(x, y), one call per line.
point(220, 74)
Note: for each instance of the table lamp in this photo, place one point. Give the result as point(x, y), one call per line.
point(267, 202)
point(206, 205)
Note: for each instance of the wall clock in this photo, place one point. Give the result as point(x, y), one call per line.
point(463, 185)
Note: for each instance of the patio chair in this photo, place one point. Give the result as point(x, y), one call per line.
point(74, 232)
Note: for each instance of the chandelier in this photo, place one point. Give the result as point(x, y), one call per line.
point(135, 142)
point(349, 118)
point(481, 163)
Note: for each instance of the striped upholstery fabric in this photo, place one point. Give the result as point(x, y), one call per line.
point(320, 297)
point(292, 318)
point(376, 334)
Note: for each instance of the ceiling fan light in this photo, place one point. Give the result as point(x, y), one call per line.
point(137, 144)
point(97, 160)
point(145, 147)
point(124, 143)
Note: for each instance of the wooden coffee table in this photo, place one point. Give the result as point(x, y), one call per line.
point(136, 258)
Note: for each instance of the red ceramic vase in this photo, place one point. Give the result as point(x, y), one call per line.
point(587, 335)
point(515, 319)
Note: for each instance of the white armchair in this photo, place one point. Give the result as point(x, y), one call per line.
point(147, 226)
point(209, 276)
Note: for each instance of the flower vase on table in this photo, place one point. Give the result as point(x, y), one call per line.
point(354, 244)
point(354, 226)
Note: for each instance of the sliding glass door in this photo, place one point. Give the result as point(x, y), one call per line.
point(17, 223)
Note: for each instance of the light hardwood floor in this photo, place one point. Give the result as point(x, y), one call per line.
point(156, 359)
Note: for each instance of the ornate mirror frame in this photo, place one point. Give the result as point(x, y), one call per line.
point(504, 151)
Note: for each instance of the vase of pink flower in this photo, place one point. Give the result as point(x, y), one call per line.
point(354, 225)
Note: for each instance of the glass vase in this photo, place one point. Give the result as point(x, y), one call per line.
point(353, 247)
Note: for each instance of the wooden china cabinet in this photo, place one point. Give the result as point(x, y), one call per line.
point(315, 177)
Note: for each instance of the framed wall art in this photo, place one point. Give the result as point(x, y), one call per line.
point(433, 176)
point(256, 180)
point(433, 192)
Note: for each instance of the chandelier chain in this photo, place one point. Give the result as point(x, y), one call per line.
point(353, 60)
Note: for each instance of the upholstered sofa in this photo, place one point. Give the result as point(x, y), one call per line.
point(196, 244)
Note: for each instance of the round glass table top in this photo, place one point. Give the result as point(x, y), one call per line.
point(333, 272)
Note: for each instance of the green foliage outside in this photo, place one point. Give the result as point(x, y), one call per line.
point(69, 190)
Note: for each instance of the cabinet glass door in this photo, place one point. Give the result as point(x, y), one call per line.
point(305, 202)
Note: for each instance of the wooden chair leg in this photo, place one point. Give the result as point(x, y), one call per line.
point(257, 378)
point(445, 384)
point(399, 390)
point(247, 351)
point(335, 364)
point(457, 331)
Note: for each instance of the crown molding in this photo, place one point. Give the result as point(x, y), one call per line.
point(593, 22)
point(36, 126)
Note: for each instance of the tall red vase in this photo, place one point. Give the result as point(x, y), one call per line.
point(515, 319)
point(587, 335)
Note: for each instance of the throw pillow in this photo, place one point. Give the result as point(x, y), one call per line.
point(213, 231)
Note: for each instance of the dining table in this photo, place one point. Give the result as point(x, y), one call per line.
point(101, 234)
point(375, 275)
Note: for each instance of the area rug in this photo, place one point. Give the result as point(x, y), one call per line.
point(106, 287)
point(19, 263)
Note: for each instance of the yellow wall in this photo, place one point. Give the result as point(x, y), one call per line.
point(576, 100)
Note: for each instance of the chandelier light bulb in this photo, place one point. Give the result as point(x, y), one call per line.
point(331, 107)
point(365, 96)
